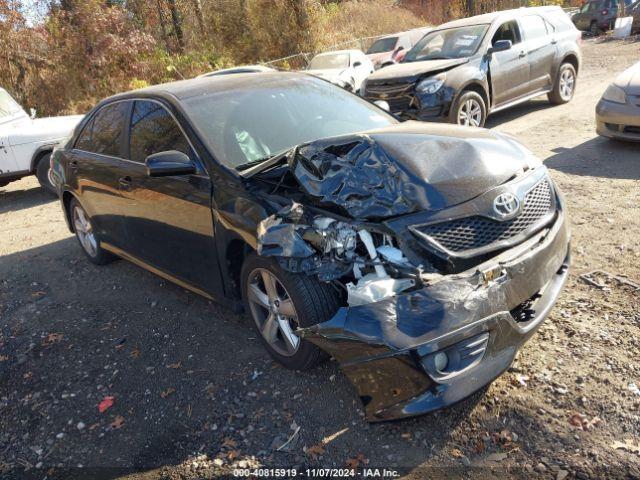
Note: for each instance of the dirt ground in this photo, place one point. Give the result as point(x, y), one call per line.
point(195, 394)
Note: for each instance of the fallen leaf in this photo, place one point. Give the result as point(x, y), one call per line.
point(167, 392)
point(27, 375)
point(479, 448)
point(315, 451)
point(455, 452)
point(175, 365)
point(233, 454)
point(229, 443)
point(53, 338)
point(627, 445)
point(4, 358)
point(39, 293)
point(581, 421)
point(135, 353)
point(354, 463)
point(118, 422)
point(94, 426)
point(106, 403)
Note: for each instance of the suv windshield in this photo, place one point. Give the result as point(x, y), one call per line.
point(329, 62)
point(383, 45)
point(8, 106)
point(457, 42)
point(246, 125)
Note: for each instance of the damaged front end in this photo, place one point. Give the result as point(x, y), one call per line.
point(440, 286)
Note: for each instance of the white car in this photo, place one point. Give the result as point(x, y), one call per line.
point(345, 68)
point(239, 69)
point(26, 143)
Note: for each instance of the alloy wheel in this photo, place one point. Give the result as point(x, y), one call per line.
point(470, 113)
point(273, 311)
point(567, 83)
point(84, 231)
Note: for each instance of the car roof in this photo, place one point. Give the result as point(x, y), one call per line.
point(502, 15)
point(183, 89)
point(333, 52)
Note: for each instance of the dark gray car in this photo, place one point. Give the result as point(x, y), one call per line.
point(599, 15)
point(467, 69)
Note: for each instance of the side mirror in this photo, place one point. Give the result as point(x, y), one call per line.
point(165, 164)
point(357, 64)
point(32, 113)
point(500, 46)
point(383, 105)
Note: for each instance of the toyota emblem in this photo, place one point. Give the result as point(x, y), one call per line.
point(506, 204)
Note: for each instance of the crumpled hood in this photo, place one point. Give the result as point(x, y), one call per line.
point(41, 129)
point(406, 168)
point(629, 80)
point(414, 69)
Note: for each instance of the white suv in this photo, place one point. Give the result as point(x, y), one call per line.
point(26, 143)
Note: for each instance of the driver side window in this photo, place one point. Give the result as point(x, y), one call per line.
point(507, 31)
point(153, 130)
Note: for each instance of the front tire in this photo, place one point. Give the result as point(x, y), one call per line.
point(565, 85)
point(470, 110)
point(42, 174)
point(86, 235)
point(279, 302)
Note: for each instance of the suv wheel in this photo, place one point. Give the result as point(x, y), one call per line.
point(279, 302)
point(86, 235)
point(42, 173)
point(565, 85)
point(470, 110)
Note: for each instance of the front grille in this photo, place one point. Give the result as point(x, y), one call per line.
point(475, 232)
point(397, 95)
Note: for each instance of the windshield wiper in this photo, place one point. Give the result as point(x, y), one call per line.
point(253, 163)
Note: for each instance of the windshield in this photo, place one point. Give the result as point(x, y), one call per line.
point(458, 42)
point(271, 115)
point(383, 45)
point(329, 62)
point(8, 106)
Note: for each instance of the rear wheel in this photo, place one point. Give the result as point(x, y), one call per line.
point(279, 302)
point(42, 173)
point(565, 85)
point(470, 110)
point(86, 235)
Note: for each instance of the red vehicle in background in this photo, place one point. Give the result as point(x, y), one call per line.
point(391, 49)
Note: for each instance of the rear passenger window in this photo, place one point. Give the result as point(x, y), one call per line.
point(104, 132)
point(154, 130)
point(533, 27)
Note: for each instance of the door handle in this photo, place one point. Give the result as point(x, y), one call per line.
point(125, 183)
point(522, 55)
point(554, 41)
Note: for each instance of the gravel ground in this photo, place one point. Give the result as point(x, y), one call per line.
point(194, 394)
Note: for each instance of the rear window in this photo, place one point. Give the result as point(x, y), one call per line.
point(104, 132)
point(383, 45)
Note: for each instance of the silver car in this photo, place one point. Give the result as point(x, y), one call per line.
point(618, 112)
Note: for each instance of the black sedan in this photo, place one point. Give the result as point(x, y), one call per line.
point(419, 256)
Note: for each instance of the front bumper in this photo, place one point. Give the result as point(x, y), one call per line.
point(616, 120)
point(412, 105)
point(387, 349)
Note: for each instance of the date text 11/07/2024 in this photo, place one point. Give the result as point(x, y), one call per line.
point(316, 472)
